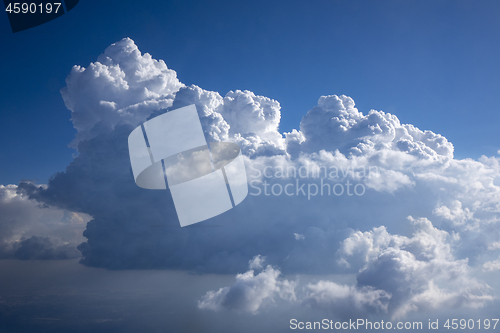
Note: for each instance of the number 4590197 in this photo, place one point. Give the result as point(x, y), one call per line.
point(32, 8)
point(471, 324)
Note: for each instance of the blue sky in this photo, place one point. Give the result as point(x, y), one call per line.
point(432, 63)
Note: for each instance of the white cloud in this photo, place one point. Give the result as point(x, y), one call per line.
point(346, 300)
point(251, 114)
point(455, 213)
point(250, 291)
point(420, 272)
point(336, 124)
point(491, 266)
point(123, 85)
point(397, 275)
point(257, 262)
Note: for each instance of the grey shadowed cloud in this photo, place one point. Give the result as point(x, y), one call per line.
point(29, 230)
point(42, 248)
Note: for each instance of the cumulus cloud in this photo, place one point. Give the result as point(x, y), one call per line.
point(455, 213)
point(335, 124)
point(396, 275)
point(42, 248)
point(420, 272)
point(122, 86)
point(31, 231)
point(403, 171)
point(344, 300)
point(250, 290)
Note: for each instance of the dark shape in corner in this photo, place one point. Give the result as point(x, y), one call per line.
point(70, 4)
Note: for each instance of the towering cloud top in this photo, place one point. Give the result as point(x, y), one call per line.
point(121, 86)
point(336, 124)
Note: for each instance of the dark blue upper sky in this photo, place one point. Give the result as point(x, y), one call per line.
point(434, 64)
